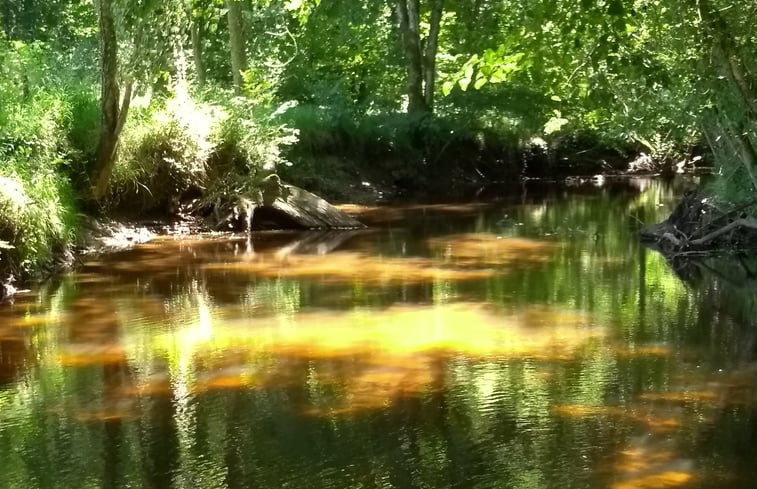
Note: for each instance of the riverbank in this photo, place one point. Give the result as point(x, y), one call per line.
point(94, 237)
point(103, 234)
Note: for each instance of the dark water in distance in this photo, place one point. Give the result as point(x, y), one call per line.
point(530, 343)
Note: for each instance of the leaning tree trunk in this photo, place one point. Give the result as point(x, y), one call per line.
point(114, 111)
point(429, 56)
point(409, 23)
point(236, 43)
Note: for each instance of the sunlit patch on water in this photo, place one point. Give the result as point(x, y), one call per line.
point(651, 463)
point(482, 249)
point(462, 328)
point(389, 353)
point(655, 422)
point(681, 397)
point(347, 267)
point(80, 355)
point(382, 215)
point(663, 480)
point(645, 350)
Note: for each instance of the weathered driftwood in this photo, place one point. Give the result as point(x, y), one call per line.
point(696, 224)
point(281, 206)
point(309, 211)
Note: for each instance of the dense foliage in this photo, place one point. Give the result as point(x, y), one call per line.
point(121, 102)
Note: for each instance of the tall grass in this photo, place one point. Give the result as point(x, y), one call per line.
point(37, 202)
point(48, 126)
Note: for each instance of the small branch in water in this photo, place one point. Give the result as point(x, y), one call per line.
point(746, 223)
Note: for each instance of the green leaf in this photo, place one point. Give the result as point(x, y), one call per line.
point(293, 5)
point(447, 87)
point(554, 124)
point(480, 81)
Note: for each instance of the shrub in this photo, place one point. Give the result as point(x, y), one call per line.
point(162, 155)
point(37, 216)
point(37, 204)
point(247, 143)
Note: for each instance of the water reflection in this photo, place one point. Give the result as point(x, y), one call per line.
point(527, 343)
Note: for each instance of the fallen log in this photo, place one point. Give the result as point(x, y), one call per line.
point(277, 205)
point(308, 211)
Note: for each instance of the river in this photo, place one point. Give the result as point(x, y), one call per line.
point(526, 342)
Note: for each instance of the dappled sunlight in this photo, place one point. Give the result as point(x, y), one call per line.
point(91, 354)
point(231, 378)
point(485, 249)
point(388, 354)
point(644, 351)
point(116, 414)
point(662, 480)
point(443, 341)
point(154, 385)
point(349, 267)
point(715, 391)
point(26, 321)
point(706, 397)
point(635, 415)
point(459, 328)
point(651, 463)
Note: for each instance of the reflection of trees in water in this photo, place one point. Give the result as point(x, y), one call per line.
point(167, 378)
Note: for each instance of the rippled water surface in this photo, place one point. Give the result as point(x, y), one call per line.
point(527, 343)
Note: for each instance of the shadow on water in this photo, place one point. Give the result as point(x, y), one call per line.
point(525, 342)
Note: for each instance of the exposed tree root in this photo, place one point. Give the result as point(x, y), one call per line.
point(698, 224)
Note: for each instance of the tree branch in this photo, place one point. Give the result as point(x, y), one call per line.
point(745, 223)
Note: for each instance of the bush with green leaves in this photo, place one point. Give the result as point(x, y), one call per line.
point(37, 203)
point(37, 216)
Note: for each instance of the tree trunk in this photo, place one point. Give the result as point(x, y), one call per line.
point(113, 111)
point(409, 22)
point(236, 43)
point(429, 56)
point(197, 53)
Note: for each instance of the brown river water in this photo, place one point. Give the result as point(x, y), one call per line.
point(529, 342)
